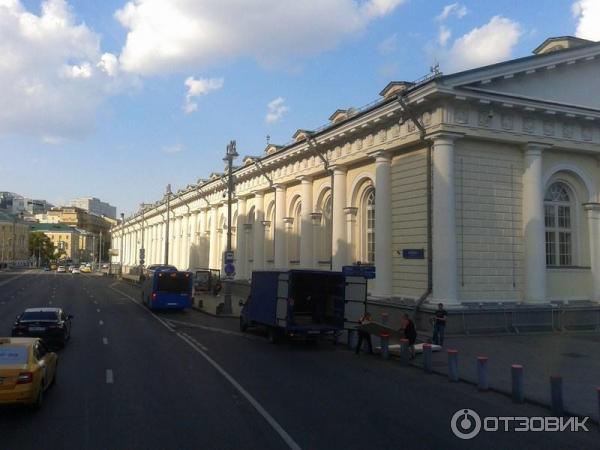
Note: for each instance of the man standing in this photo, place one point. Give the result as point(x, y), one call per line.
point(365, 320)
point(439, 325)
point(410, 333)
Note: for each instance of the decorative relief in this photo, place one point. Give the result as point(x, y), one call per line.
point(369, 140)
point(506, 121)
point(586, 133)
point(426, 118)
point(528, 124)
point(382, 135)
point(347, 148)
point(548, 128)
point(567, 130)
point(338, 151)
point(358, 144)
point(461, 115)
point(395, 131)
point(410, 125)
point(484, 119)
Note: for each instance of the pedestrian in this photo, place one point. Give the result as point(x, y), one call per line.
point(439, 325)
point(363, 335)
point(410, 333)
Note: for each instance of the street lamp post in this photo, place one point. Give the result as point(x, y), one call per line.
point(230, 155)
point(167, 224)
point(122, 239)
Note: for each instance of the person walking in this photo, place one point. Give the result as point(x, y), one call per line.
point(439, 325)
point(410, 333)
point(363, 335)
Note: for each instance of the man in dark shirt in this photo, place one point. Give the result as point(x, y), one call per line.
point(410, 333)
point(363, 335)
point(439, 325)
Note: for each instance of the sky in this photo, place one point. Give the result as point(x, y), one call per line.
point(116, 99)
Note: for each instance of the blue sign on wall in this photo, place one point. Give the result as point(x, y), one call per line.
point(367, 272)
point(413, 253)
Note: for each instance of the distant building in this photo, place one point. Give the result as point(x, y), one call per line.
point(66, 239)
point(15, 203)
point(14, 240)
point(94, 205)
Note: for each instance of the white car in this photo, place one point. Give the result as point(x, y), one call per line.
point(75, 270)
point(61, 269)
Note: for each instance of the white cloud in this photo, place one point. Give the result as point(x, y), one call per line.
point(276, 109)
point(587, 13)
point(488, 44)
point(444, 35)
point(170, 149)
point(49, 72)
point(174, 35)
point(455, 9)
point(388, 45)
point(196, 88)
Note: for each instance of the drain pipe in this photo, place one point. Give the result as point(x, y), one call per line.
point(422, 137)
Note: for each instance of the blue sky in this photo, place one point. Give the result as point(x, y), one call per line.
point(95, 105)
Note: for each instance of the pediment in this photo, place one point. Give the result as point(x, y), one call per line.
point(570, 77)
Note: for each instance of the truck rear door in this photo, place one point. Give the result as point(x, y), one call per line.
point(283, 288)
point(355, 300)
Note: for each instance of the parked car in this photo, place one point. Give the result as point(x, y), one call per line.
point(105, 266)
point(71, 268)
point(46, 269)
point(52, 325)
point(75, 270)
point(27, 369)
point(61, 269)
point(85, 269)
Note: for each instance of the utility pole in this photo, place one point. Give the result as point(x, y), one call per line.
point(230, 155)
point(167, 224)
point(122, 239)
point(100, 249)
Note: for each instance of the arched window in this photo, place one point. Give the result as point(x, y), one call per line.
point(557, 217)
point(368, 227)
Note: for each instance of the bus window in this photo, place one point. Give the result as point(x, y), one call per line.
point(173, 282)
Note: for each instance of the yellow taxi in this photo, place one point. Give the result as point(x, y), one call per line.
point(27, 369)
point(85, 269)
point(53, 266)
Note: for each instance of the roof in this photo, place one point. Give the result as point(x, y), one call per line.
point(571, 40)
point(53, 228)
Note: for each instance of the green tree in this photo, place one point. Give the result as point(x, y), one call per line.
point(41, 245)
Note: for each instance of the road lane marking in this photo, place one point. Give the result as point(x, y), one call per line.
point(214, 329)
point(97, 309)
point(195, 341)
point(109, 376)
point(100, 322)
point(50, 302)
point(105, 341)
point(257, 406)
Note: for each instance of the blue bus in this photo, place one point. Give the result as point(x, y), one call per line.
point(165, 287)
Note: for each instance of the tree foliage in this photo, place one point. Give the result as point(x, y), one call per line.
point(41, 245)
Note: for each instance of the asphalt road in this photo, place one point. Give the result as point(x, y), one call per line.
point(129, 379)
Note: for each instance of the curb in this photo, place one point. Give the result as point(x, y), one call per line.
point(226, 316)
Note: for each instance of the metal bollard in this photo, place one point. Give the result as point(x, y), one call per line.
point(427, 363)
point(516, 371)
point(482, 373)
point(404, 353)
point(352, 339)
point(384, 318)
point(453, 364)
point(385, 343)
point(556, 395)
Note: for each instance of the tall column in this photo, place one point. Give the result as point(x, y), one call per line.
point(383, 225)
point(533, 225)
point(194, 239)
point(185, 242)
point(213, 245)
point(306, 228)
point(445, 267)
point(203, 248)
point(593, 212)
point(338, 226)
point(241, 259)
point(279, 234)
point(259, 232)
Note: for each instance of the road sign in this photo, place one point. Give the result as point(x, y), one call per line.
point(359, 270)
point(228, 258)
point(142, 253)
point(229, 269)
point(413, 253)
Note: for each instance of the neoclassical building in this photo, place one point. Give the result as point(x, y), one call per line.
point(478, 186)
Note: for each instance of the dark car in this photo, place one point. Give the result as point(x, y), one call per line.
point(52, 325)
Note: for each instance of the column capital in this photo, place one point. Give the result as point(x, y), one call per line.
point(338, 169)
point(248, 227)
point(243, 197)
point(445, 136)
point(288, 220)
point(381, 156)
point(592, 207)
point(279, 187)
point(535, 148)
point(305, 179)
point(351, 211)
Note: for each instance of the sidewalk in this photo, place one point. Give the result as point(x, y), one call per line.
point(574, 356)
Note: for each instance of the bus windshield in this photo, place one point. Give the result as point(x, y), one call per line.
point(176, 282)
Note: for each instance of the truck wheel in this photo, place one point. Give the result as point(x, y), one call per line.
point(272, 335)
point(243, 325)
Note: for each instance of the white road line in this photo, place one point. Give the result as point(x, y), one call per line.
point(100, 322)
point(262, 411)
point(50, 302)
point(105, 341)
point(214, 329)
point(109, 376)
point(195, 341)
point(97, 309)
